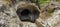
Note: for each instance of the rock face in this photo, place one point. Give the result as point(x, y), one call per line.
point(27, 11)
point(53, 20)
point(10, 18)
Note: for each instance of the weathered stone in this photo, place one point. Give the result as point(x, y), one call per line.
point(27, 11)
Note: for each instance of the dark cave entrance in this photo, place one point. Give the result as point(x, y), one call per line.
point(27, 15)
point(25, 12)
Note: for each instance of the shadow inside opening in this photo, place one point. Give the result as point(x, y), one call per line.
point(27, 15)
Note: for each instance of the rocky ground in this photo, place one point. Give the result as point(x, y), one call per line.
point(49, 15)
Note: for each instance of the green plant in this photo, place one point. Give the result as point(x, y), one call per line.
point(42, 1)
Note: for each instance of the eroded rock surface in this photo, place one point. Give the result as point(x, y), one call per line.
point(9, 17)
point(54, 19)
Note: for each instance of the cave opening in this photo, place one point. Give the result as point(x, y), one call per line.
point(27, 14)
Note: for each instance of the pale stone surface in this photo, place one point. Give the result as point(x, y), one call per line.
point(53, 21)
point(28, 24)
point(9, 18)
